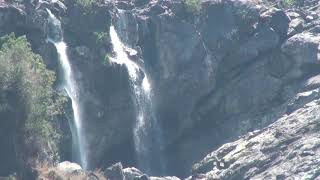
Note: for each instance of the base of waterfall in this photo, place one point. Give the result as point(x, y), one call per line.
point(72, 171)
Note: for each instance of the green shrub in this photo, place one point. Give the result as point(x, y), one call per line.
point(193, 6)
point(24, 76)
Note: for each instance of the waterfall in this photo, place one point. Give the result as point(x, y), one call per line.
point(147, 134)
point(70, 86)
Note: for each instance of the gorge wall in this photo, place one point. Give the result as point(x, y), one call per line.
point(218, 70)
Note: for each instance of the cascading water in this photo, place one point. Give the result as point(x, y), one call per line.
point(147, 134)
point(70, 86)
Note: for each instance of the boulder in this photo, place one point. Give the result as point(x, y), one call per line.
point(278, 20)
point(303, 48)
point(114, 172)
point(133, 174)
point(295, 26)
point(68, 167)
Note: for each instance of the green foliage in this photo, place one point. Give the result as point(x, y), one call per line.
point(106, 60)
point(288, 2)
point(88, 6)
point(24, 75)
point(193, 6)
point(85, 3)
point(101, 37)
point(101, 41)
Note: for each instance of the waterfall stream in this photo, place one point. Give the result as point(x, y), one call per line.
point(146, 131)
point(147, 134)
point(70, 86)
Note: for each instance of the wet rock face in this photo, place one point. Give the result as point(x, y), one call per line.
point(180, 56)
point(108, 110)
point(108, 115)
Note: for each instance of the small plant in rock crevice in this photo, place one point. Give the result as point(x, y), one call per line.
point(193, 6)
point(106, 60)
point(288, 3)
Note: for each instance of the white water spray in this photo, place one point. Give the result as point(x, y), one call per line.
point(147, 138)
point(69, 85)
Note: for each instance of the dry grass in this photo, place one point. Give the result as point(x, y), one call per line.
point(52, 173)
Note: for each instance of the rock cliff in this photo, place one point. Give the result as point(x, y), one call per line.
point(228, 69)
point(238, 76)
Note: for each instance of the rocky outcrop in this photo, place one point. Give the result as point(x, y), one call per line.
point(287, 148)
